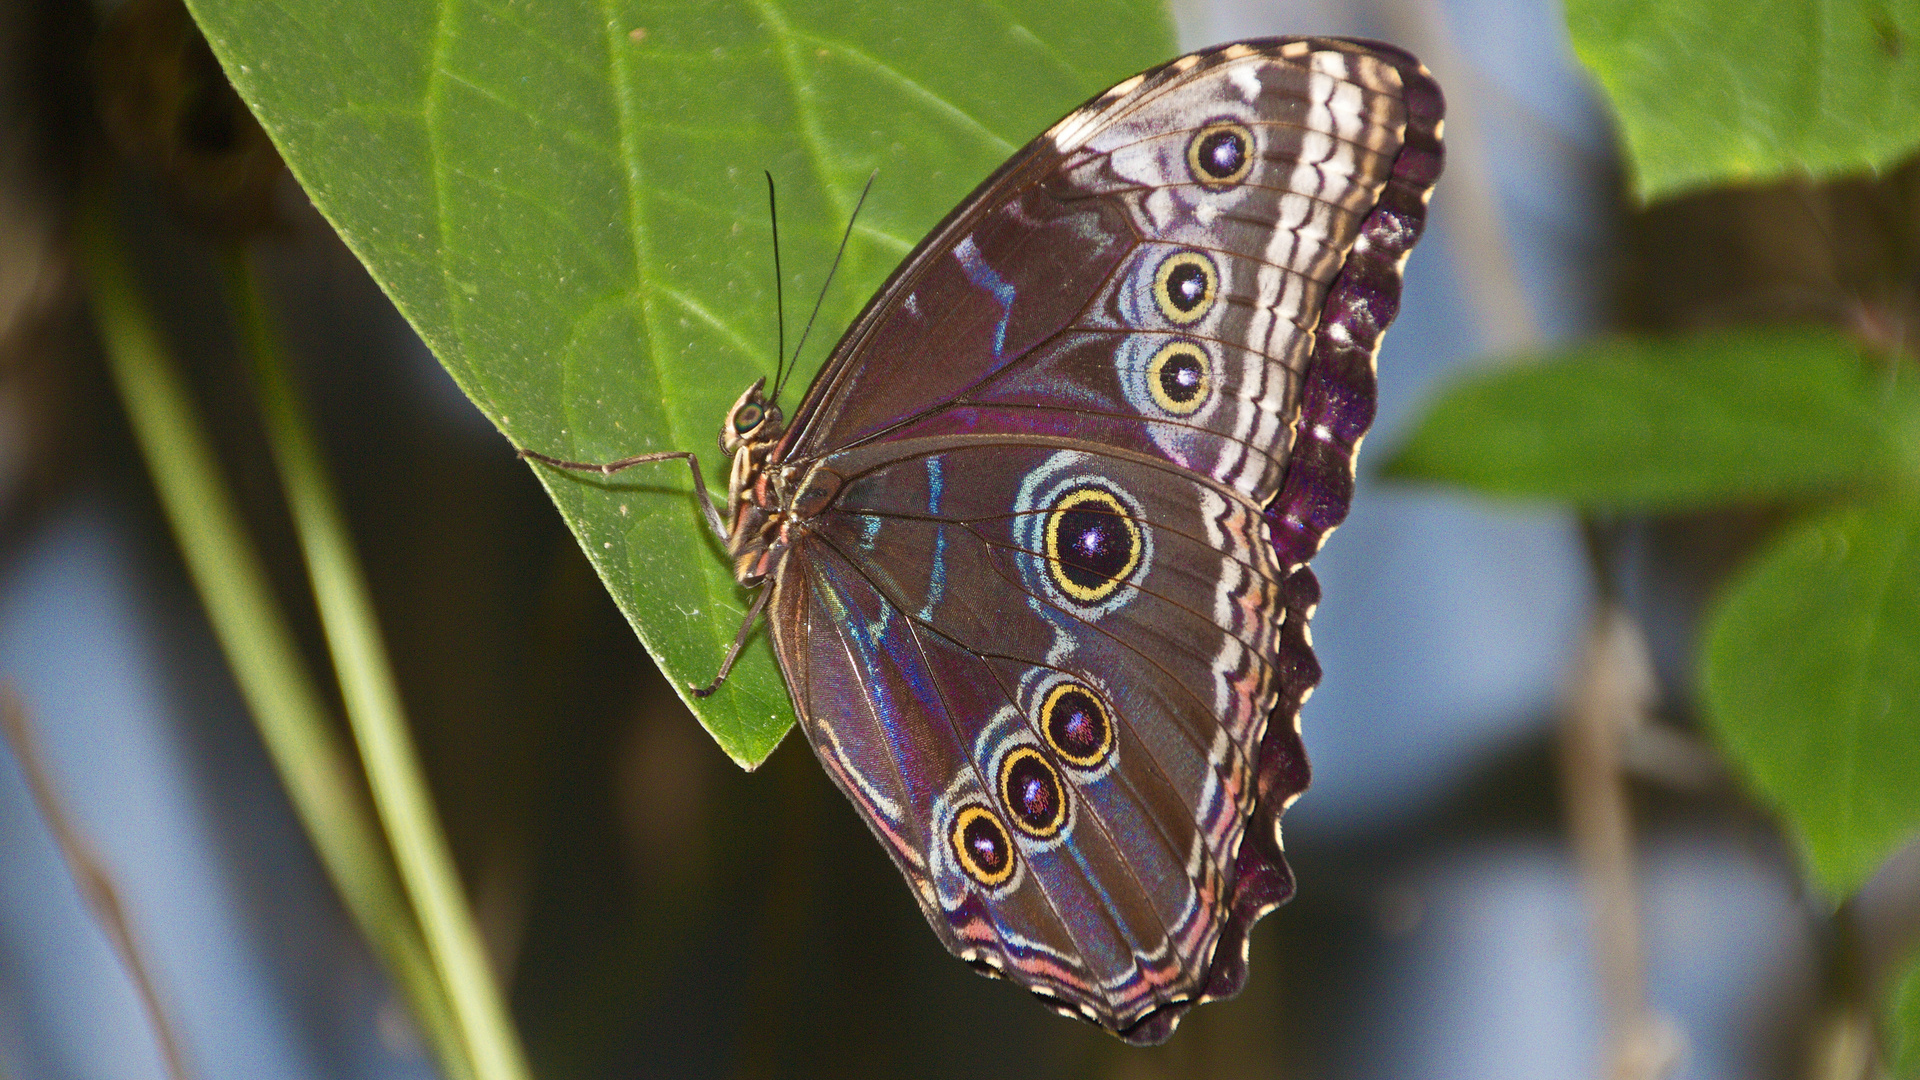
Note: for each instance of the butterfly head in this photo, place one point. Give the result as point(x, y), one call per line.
point(752, 419)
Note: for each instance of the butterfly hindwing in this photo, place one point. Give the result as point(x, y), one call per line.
point(940, 687)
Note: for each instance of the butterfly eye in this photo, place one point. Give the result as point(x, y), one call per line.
point(1092, 544)
point(747, 417)
point(1220, 154)
point(1076, 725)
point(1031, 790)
point(1184, 287)
point(1178, 378)
point(982, 845)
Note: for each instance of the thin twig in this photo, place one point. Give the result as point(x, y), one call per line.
point(90, 875)
point(1611, 694)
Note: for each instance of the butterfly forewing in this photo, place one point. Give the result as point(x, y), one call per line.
point(1041, 607)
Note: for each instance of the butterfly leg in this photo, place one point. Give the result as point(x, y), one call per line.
point(739, 641)
point(714, 519)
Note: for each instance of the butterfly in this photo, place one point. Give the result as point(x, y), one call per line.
point(1032, 548)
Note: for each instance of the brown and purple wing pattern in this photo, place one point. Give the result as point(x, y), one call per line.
point(1049, 630)
point(1097, 710)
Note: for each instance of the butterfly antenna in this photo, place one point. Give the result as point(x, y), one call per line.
point(779, 299)
point(844, 237)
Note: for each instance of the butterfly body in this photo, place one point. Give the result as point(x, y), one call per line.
point(1032, 547)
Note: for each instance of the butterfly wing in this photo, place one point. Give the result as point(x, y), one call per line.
point(1044, 618)
point(1071, 653)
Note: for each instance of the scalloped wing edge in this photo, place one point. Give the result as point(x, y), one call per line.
point(1337, 408)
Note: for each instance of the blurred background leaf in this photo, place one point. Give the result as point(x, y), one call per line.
point(568, 206)
point(1707, 92)
point(1812, 682)
point(1740, 416)
point(1903, 1020)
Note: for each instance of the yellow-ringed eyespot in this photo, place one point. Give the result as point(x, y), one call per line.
point(1092, 544)
point(982, 845)
point(1184, 286)
point(1221, 154)
point(1180, 377)
point(1076, 725)
point(1032, 792)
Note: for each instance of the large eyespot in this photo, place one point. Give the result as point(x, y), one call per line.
point(1180, 377)
point(1092, 544)
point(1076, 725)
point(747, 417)
point(982, 845)
point(1184, 286)
point(1032, 792)
point(1220, 154)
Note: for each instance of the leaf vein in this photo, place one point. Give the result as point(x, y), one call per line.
point(913, 88)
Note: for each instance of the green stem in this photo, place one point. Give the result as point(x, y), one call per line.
point(318, 773)
point(372, 698)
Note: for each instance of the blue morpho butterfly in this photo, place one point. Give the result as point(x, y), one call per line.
point(1033, 547)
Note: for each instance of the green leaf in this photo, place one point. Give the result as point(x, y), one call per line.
point(1631, 423)
point(1903, 1024)
point(1812, 679)
point(566, 200)
point(1711, 92)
